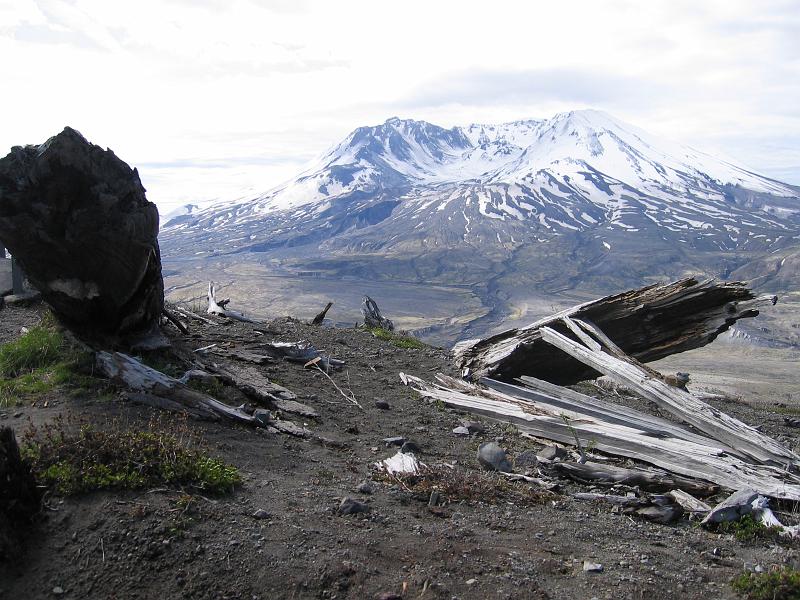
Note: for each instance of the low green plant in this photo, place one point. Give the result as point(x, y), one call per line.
point(399, 341)
point(72, 459)
point(747, 529)
point(781, 584)
point(39, 361)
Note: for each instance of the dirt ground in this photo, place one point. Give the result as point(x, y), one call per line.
point(149, 544)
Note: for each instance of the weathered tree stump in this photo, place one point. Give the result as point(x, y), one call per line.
point(76, 218)
point(373, 317)
point(20, 499)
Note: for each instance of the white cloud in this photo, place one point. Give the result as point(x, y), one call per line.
point(175, 85)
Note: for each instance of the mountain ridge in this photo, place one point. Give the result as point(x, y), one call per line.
point(579, 201)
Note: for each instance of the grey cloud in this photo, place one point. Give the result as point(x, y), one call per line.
point(505, 87)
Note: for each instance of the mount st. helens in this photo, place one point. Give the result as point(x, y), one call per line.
point(581, 201)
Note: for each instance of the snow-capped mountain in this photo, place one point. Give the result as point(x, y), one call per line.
point(554, 202)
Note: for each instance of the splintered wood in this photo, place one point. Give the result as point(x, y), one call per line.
point(647, 324)
point(606, 337)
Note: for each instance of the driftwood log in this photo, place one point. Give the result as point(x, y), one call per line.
point(373, 317)
point(152, 387)
point(76, 218)
point(646, 479)
point(219, 307)
point(646, 324)
point(742, 439)
point(689, 455)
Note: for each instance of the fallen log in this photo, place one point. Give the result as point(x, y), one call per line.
point(539, 419)
point(373, 317)
point(646, 479)
point(648, 324)
point(742, 439)
point(219, 307)
point(152, 385)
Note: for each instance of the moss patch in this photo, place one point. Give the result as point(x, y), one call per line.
point(71, 459)
point(783, 584)
point(400, 341)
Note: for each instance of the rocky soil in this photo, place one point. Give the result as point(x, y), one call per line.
point(281, 535)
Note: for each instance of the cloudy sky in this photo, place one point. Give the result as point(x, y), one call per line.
point(225, 98)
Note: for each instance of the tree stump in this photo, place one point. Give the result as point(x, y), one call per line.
point(76, 218)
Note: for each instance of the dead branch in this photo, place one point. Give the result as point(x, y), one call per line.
point(321, 316)
point(218, 308)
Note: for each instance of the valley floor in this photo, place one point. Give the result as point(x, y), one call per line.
point(480, 544)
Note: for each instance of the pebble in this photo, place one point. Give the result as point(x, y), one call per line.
point(472, 581)
point(261, 514)
point(394, 441)
point(461, 431)
point(382, 404)
point(365, 487)
point(590, 567)
point(410, 447)
point(58, 590)
point(549, 453)
point(474, 426)
point(526, 459)
point(349, 506)
point(493, 458)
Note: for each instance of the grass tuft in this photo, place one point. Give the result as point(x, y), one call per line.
point(782, 584)
point(71, 459)
point(40, 361)
point(400, 341)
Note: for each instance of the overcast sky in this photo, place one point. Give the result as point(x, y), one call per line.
point(225, 98)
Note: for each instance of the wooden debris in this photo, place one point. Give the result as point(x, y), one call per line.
point(321, 316)
point(647, 324)
point(541, 419)
point(373, 316)
point(689, 503)
point(300, 352)
point(219, 307)
point(646, 479)
point(733, 508)
point(175, 321)
point(140, 378)
point(616, 500)
point(742, 439)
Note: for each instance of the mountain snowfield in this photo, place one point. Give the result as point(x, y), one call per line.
point(553, 202)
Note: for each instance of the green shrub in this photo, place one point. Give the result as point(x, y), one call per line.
point(72, 460)
point(783, 584)
point(40, 347)
point(400, 341)
point(747, 529)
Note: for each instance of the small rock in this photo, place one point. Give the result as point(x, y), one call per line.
point(526, 459)
point(461, 431)
point(590, 567)
point(394, 441)
point(262, 417)
point(472, 581)
point(349, 506)
point(551, 453)
point(410, 447)
point(389, 596)
point(261, 514)
point(493, 458)
point(17, 415)
point(474, 426)
point(58, 590)
point(382, 404)
point(365, 487)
